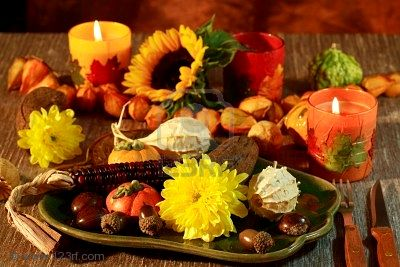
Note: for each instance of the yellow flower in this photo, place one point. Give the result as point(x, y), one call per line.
point(166, 65)
point(51, 136)
point(201, 197)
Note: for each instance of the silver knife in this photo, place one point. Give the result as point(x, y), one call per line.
point(380, 229)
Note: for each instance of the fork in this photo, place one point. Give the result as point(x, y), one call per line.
point(353, 247)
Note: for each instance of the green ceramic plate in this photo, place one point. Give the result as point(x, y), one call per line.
point(319, 201)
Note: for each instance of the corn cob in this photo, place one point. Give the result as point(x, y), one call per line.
point(107, 177)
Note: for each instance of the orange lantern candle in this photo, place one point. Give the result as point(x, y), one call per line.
point(341, 133)
point(100, 51)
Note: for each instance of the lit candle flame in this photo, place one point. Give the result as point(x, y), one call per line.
point(97, 31)
point(335, 106)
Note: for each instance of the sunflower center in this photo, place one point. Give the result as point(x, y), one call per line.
point(166, 73)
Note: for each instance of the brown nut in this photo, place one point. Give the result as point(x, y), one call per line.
point(275, 113)
point(155, 117)
point(376, 84)
point(211, 118)
point(86, 99)
point(113, 103)
point(184, 112)
point(236, 121)
point(267, 135)
point(257, 106)
point(289, 102)
point(69, 92)
point(14, 77)
point(139, 107)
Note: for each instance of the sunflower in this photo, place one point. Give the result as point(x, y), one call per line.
point(201, 197)
point(51, 137)
point(166, 65)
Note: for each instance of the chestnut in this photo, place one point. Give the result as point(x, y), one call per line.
point(86, 199)
point(294, 224)
point(89, 218)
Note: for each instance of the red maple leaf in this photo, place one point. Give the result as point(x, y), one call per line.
point(102, 74)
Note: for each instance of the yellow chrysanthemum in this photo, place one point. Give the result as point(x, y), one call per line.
point(201, 197)
point(167, 64)
point(51, 136)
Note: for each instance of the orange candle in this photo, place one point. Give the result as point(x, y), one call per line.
point(341, 133)
point(100, 51)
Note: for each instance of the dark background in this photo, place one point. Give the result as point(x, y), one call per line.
point(285, 16)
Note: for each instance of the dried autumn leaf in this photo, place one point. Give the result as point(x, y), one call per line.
point(257, 106)
point(236, 121)
point(275, 113)
point(36, 73)
point(86, 99)
point(296, 122)
point(394, 76)
point(211, 118)
point(271, 87)
point(184, 112)
point(376, 84)
point(69, 92)
point(393, 90)
point(289, 102)
point(155, 117)
point(14, 77)
point(267, 135)
point(138, 107)
point(113, 103)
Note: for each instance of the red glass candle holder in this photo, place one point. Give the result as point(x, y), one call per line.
point(341, 145)
point(258, 70)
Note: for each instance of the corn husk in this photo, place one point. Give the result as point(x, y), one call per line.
point(9, 178)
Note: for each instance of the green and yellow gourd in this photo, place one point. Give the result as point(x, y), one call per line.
point(334, 68)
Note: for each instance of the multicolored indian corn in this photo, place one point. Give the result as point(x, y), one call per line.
point(107, 177)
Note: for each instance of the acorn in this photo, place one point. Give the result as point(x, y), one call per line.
point(294, 224)
point(149, 221)
point(251, 239)
point(114, 223)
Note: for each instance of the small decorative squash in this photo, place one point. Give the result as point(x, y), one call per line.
point(296, 122)
point(334, 68)
point(132, 152)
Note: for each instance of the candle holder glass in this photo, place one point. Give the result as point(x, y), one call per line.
point(257, 70)
point(341, 145)
point(99, 61)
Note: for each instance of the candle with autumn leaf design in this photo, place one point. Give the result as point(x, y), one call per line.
point(99, 53)
point(341, 139)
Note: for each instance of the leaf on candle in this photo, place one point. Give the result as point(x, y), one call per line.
point(343, 153)
point(102, 74)
point(76, 76)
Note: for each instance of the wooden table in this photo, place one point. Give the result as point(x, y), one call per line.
point(376, 53)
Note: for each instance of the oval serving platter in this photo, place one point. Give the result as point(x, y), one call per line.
point(318, 200)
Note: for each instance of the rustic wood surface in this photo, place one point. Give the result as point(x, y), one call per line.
point(376, 53)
